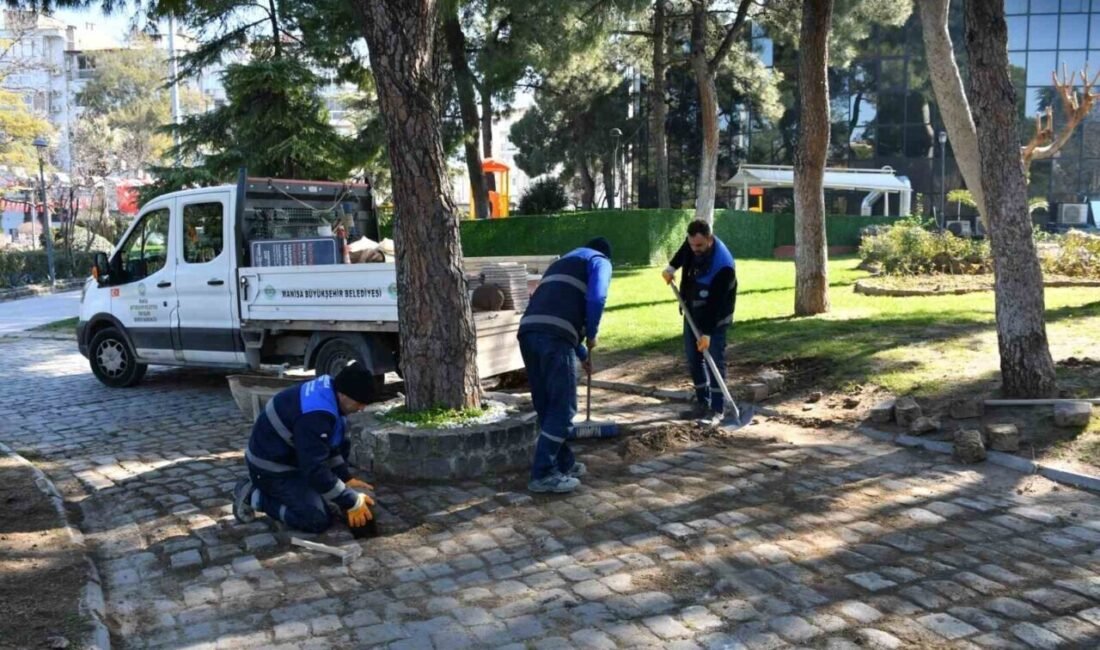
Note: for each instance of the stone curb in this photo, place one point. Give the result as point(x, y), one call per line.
point(92, 604)
point(1015, 463)
point(31, 290)
point(867, 289)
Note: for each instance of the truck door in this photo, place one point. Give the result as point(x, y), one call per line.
point(143, 297)
point(207, 331)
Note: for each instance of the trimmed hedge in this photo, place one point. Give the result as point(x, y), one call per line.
point(645, 237)
point(18, 268)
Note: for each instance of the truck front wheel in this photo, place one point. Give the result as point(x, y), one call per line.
point(113, 361)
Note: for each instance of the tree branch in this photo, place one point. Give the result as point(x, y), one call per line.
point(731, 34)
point(1045, 143)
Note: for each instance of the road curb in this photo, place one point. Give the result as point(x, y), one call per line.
point(1008, 461)
point(46, 336)
point(33, 290)
point(92, 604)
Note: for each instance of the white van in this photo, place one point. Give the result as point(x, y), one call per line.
point(251, 274)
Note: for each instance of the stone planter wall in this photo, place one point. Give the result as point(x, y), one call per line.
point(392, 451)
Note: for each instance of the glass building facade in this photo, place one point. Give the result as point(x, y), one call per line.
point(884, 111)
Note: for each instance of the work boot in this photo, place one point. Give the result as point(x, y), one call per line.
point(556, 483)
point(242, 501)
point(577, 470)
point(714, 419)
point(698, 411)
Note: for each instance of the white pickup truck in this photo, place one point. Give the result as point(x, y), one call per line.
point(251, 274)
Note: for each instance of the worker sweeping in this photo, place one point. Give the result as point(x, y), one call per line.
point(297, 455)
point(709, 292)
point(563, 315)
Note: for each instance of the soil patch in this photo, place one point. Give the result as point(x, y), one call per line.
point(43, 571)
point(654, 441)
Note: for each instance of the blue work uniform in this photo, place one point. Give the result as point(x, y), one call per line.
point(565, 309)
point(297, 456)
point(708, 287)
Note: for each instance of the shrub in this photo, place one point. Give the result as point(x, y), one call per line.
point(18, 268)
point(909, 248)
point(545, 196)
point(1076, 255)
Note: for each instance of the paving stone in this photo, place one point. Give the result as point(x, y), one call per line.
point(1035, 636)
point(858, 611)
point(871, 581)
point(947, 626)
point(1012, 609)
point(666, 627)
point(700, 618)
point(260, 541)
point(878, 639)
point(378, 634)
point(186, 559)
point(793, 628)
point(1074, 630)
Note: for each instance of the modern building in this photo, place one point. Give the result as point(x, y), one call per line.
point(884, 113)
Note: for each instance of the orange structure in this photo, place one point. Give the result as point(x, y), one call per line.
point(498, 200)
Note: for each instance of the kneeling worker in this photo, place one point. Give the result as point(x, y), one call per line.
point(297, 455)
point(564, 311)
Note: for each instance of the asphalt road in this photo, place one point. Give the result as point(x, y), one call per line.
point(26, 313)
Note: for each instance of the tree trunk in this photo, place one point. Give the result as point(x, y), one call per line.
point(658, 108)
point(438, 343)
point(467, 103)
point(705, 185)
point(1027, 369)
point(487, 129)
point(811, 291)
point(951, 98)
point(588, 184)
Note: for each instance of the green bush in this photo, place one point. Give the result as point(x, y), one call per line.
point(545, 196)
point(1077, 255)
point(909, 248)
point(18, 268)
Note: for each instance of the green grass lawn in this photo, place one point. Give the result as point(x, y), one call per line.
point(922, 345)
point(67, 325)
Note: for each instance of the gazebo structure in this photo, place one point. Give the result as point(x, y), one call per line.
point(878, 183)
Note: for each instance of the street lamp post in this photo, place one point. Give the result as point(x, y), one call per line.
point(615, 135)
point(41, 143)
point(943, 176)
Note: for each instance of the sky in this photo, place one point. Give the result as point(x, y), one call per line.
point(118, 24)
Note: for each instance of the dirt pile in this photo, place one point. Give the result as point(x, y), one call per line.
point(658, 440)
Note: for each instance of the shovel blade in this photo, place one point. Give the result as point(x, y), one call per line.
point(742, 419)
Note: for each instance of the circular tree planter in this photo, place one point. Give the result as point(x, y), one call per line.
point(390, 450)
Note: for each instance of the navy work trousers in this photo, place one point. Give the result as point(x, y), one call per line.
point(707, 390)
point(289, 499)
point(552, 372)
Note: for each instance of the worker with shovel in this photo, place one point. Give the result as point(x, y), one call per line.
point(708, 293)
point(297, 455)
point(563, 314)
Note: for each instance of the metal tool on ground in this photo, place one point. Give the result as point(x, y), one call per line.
point(347, 554)
point(737, 416)
point(590, 429)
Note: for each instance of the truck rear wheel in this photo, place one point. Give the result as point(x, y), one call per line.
point(113, 360)
point(337, 353)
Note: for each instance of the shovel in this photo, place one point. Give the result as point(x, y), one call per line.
point(736, 418)
point(590, 429)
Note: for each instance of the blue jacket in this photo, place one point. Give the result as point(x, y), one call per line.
point(569, 300)
point(708, 285)
point(302, 431)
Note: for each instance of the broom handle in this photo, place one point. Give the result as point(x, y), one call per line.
point(706, 353)
point(588, 398)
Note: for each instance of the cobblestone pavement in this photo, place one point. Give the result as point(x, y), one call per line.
point(833, 542)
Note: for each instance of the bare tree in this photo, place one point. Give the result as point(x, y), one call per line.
point(1027, 369)
point(1046, 143)
point(705, 67)
point(811, 293)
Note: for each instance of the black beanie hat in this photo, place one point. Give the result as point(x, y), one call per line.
point(355, 382)
point(600, 244)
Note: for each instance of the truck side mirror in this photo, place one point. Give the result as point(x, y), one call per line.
point(99, 266)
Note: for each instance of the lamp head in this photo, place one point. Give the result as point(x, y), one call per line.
point(943, 137)
point(41, 143)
